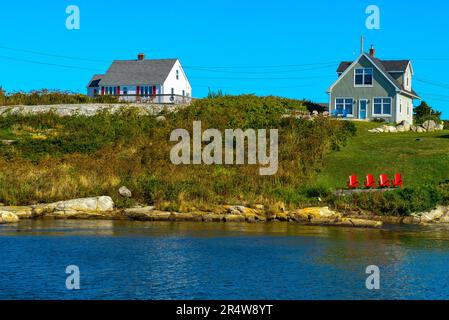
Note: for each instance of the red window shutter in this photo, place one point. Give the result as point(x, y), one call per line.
point(154, 89)
point(138, 91)
point(102, 91)
point(118, 90)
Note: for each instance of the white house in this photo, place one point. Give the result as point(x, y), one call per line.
point(143, 80)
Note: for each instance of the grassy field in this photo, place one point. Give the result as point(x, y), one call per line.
point(422, 158)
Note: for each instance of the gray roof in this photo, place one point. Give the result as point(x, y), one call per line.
point(135, 72)
point(386, 66)
point(94, 82)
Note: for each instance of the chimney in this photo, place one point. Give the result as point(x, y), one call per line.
point(372, 51)
point(141, 56)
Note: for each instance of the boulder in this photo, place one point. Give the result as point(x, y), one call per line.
point(405, 124)
point(440, 127)
point(234, 218)
point(70, 207)
point(400, 128)
point(21, 212)
point(434, 215)
point(125, 192)
point(420, 129)
point(161, 119)
point(429, 125)
point(392, 129)
point(147, 214)
point(8, 217)
point(413, 128)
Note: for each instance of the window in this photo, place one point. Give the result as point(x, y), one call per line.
point(111, 91)
point(400, 107)
point(382, 106)
point(183, 92)
point(177, 74)
point(146, 91)
point(115, 91)
point(125, 91)
point(172, 91)
point(363, 77)
point(344, 105)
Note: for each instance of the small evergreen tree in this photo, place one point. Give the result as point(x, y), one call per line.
point(424, 112)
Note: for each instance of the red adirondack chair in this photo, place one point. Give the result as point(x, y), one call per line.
point(353, 183)
point(370, 182)
point(383, 181)
point(397, 182)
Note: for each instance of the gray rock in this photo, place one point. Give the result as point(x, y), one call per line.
point(429, 125)
point(161, 119)
point(420, 129)
point(400, 128)
point(85, 205)
point(8, 217)
point(392, 129)
point(406, 125)
point(125, 192)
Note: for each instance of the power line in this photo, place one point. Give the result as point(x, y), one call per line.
point(46, 63)
point(434, 83)
point(52, 55)
point(260, 72)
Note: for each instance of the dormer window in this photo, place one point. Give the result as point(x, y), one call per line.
point(363, 77)
point(177, 74)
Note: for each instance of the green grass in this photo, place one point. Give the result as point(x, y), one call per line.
point(421, 162)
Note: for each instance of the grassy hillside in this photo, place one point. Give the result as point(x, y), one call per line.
point(58, 158)
point(61, 158)
point(422, 158)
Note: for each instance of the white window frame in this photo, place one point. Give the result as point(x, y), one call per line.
point(364, 85)
point(344, 104)
point(382, 107)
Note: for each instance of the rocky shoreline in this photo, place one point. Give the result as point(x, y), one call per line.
point(103, 208)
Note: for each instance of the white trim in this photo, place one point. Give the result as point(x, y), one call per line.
point(345, 98)
point(364, 85)
point(398, 89)
point(366, 110)
point(344, 73)
point(381, 71)
point(382, 107)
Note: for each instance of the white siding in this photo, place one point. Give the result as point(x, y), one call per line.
point(180, 85)
point(404, 109)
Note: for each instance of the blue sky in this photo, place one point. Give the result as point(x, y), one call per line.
point(285, 47)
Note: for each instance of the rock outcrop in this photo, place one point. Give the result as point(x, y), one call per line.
point(8, 217)
point(96, 207)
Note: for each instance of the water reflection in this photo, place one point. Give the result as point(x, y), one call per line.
point(168, 260)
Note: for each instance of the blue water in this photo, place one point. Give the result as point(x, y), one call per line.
point(139, 260)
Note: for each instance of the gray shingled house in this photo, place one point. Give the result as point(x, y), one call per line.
point(143, 80)
point(370, 88)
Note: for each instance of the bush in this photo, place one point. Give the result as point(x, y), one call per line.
point(397, 203)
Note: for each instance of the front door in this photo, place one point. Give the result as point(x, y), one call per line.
point(362, 109)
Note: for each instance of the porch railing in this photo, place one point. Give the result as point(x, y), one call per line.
point(157, 98)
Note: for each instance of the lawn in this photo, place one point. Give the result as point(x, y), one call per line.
point(421, 158)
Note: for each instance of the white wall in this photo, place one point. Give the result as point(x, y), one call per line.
point(406, 112)
point(177, 84)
